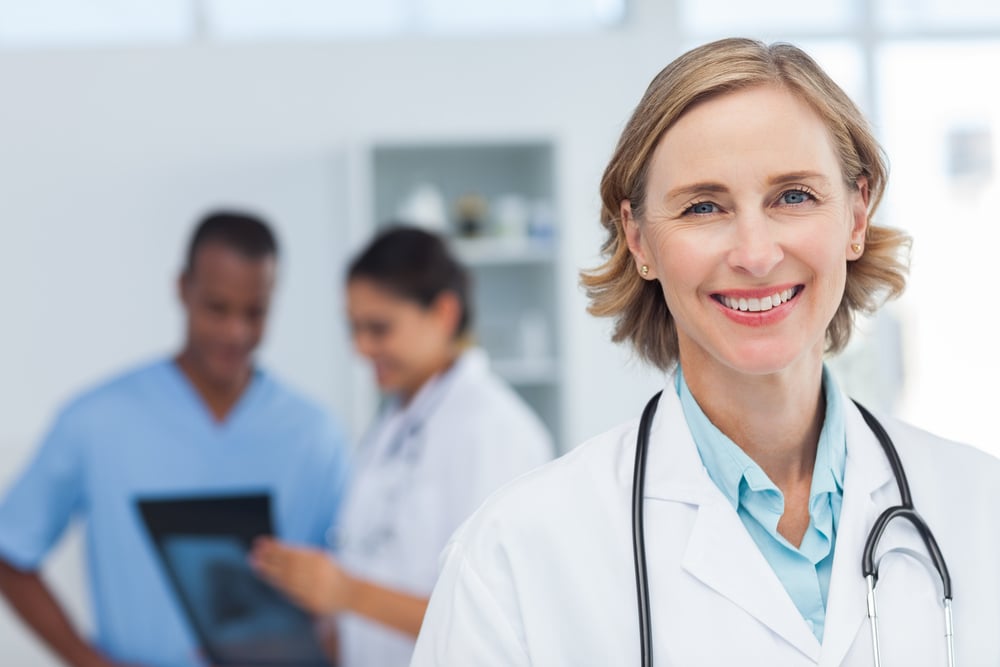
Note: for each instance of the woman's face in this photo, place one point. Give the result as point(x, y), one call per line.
point(406, 342)
point(748, 226)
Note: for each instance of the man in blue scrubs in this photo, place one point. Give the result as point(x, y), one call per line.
point(206, 422)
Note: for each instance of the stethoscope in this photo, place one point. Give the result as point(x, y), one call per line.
point(869, 567)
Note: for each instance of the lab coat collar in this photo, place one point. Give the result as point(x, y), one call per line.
point(722, 555)
point(720, 552)
point(674, 470)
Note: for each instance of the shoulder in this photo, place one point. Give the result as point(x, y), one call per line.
point(294, 405)
point(939, 461)
point(287, 414)
point(115, 394)
point(572, 486)
point(482, 419)
point(478, 395)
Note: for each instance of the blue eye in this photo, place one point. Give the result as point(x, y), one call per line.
point(795, 197)
point(702, 208)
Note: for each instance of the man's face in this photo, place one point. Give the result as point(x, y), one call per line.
point(226, 296)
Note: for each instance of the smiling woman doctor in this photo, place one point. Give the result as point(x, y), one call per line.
point(450, 433)
point(739, 206)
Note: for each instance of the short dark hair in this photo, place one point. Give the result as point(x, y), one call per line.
point(415, 265)
point(243, 232)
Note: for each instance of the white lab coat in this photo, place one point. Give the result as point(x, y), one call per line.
point(421, 472)
point(543, 573)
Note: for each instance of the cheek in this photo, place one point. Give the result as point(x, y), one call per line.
point(203, 323)
point(256, 333)
point(683, 261)
point(396, 345)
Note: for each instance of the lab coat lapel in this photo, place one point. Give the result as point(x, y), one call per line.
point(723, 556)
point(720, 552)
point(866, 475)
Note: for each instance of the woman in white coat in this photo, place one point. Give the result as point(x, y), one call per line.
point(450, 433)
point(739, 205)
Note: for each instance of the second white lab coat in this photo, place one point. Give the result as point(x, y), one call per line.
point(421, 472)
point(543, 572)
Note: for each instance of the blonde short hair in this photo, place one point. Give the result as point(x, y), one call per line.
point(638, 307)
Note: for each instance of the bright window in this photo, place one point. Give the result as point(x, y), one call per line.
point(69, 23)
point(936, 14)
point(74, 23)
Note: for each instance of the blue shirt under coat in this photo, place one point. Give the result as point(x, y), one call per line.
point(803, 571)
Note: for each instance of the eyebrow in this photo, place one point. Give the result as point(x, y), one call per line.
point(693, 188)
point(712, 187)
point(798, 176)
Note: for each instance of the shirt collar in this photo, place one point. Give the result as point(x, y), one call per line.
point(728, 465)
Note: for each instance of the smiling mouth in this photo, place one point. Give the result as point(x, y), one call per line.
point(758, 305)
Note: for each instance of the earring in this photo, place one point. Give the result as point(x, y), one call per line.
point(644, 270)
point(856, 247)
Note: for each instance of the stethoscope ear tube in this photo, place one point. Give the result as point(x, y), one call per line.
point(638, 533)
point(905, 499)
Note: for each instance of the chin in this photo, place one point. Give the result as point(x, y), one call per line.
point(387, 385)
point(229, 372)
point(771, 357)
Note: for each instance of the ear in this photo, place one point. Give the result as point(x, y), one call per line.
point(184, 288)
point(635, 240)
point(859, 218)
point(447, 311)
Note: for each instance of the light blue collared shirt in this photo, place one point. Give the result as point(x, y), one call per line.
point(804, 571)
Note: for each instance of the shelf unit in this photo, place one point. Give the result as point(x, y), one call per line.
point(513, 267)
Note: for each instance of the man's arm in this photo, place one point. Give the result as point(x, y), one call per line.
point(32, 600)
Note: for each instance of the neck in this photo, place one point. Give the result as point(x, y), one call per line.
point(776, 419)
point(219, 397)
point(442, 366)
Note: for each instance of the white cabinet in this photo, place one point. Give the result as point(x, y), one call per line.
point(496, 203)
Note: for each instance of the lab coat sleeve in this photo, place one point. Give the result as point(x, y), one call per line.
point(487, 452)
point(465, 624)
point(39, 505)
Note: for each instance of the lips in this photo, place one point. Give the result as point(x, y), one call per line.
point(758, 304)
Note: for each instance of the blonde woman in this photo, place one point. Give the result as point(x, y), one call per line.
point(729, 525)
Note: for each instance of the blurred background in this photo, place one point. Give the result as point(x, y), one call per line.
point(121, 122)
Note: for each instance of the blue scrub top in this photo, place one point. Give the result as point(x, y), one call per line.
point(148, 433)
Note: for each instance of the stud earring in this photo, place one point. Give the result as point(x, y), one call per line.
point(644, 270)
point(856, 247)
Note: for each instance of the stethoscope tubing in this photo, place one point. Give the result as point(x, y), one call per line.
point(639, 532)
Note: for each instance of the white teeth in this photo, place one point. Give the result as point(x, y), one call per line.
point(759, 305)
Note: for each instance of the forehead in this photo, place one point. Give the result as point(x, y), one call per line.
point(760, 129)
point(365, 293)
point(216, 265)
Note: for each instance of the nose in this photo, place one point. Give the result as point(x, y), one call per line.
point(237, 330)
point(363, 343)
point(755, 247)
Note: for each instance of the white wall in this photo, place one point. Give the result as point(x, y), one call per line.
point(108, 156)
